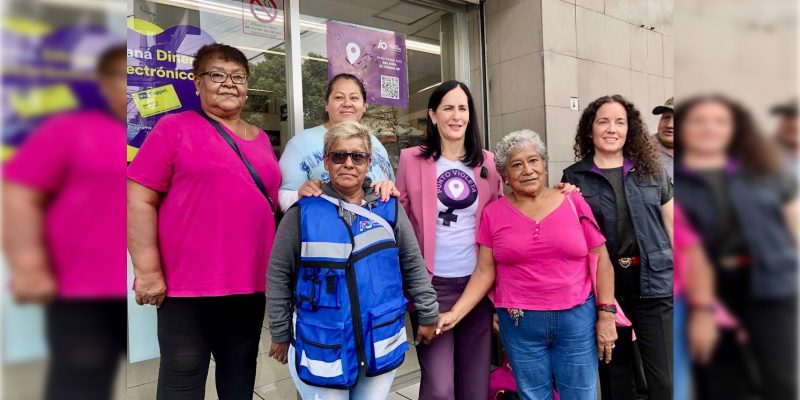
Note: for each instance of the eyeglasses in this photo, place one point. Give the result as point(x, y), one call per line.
point(340, 157)
point(221, 77)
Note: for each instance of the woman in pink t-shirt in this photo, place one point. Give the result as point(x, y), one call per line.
point(200, 231)
point(534, 247)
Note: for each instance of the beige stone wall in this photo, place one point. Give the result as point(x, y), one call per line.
point(540, 53)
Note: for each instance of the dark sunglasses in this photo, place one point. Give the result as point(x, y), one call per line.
point(340, 157)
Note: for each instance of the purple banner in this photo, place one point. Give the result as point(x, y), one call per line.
point(48, 74)
point(160, 78)
point(377, 57)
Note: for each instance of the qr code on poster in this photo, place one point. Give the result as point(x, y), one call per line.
point(390, 87)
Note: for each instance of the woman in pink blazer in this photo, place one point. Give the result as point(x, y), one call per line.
point(445, 183)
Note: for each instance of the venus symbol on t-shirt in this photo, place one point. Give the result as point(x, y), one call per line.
point(455, 190)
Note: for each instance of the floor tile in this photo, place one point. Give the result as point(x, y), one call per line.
point(281, 390)
point(411, 392)
point(142, 372)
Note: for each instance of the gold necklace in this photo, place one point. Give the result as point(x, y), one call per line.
point(245, 131)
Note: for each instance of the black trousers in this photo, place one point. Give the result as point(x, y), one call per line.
point(86, 340)
point(653, 322)
point(191, 329)
point(765, 366)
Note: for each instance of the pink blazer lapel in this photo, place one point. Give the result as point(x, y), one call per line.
point(430, 212)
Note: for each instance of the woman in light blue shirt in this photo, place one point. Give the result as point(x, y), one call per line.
point(301, 162)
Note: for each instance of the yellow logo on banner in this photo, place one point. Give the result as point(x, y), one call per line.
point(43, 101)
point(156, 100)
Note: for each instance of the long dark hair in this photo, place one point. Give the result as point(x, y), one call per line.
point(748, 145)
point(432, 145)
point(638, 147)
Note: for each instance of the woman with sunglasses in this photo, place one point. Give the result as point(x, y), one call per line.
point(200, 232)
point(336, 279)
point(301, 162)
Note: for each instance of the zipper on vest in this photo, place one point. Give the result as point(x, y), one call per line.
point(355, 307)
point(321, 345)
point(355, 310)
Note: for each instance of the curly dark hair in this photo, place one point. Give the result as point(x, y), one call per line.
point(639, 147)
point(748, 146)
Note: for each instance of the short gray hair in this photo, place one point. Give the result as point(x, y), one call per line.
point(347, 130)
point(515, 141)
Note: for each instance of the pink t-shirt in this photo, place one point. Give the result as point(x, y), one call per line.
point(79, 160)
point(685, 238)
point(215, 228)
point(541, 265)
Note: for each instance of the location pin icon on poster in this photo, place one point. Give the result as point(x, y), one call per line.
point(353, 52)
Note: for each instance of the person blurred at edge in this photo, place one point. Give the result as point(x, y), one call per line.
point(64, 236)
point(744, 207)
point(696, 332)
point(200, 232)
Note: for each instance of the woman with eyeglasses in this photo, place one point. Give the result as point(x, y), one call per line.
point(336, 279)
point(301, 162)
point(200, 232)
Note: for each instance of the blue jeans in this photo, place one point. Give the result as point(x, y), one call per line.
point(553, 345)
point(368, 388)
point(683, 365)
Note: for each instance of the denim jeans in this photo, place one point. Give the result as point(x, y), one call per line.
point(553, 348)
point(368, 388)
point(682, 364)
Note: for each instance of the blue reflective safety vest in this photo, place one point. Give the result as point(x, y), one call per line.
point(348, 296)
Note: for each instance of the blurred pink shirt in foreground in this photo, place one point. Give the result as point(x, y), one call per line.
point(78, 159)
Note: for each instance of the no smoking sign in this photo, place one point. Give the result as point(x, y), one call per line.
point(259, 18)
point(264, 10)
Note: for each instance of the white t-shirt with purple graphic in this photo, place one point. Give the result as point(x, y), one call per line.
point(457, 192)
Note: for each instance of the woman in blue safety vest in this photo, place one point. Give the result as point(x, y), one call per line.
point(336, 277)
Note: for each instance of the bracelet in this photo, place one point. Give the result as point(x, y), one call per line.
point(607, 308)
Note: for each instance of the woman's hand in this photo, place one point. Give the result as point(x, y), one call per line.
point(312, 187)
point(385, 188)
point(426, 333)
point(567, 188)
point(280, 352)
point(448, 321)
point(150, 289)
point(33, 286)
point(702, 332)
point(606, 335)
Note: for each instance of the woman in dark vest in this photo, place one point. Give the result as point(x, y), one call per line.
point(733, 190)
point(630, 194)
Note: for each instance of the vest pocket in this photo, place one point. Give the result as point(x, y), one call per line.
point(651, 193)
point(384, 271)
point(388, 338)
point(319, 287)
point(318, 354)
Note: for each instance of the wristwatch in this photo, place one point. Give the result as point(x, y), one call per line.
point(607, 308)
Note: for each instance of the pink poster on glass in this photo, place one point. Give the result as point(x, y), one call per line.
point(375, 56)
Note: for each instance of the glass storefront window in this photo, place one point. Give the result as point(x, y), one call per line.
point(421, 23)
point(258, 33)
